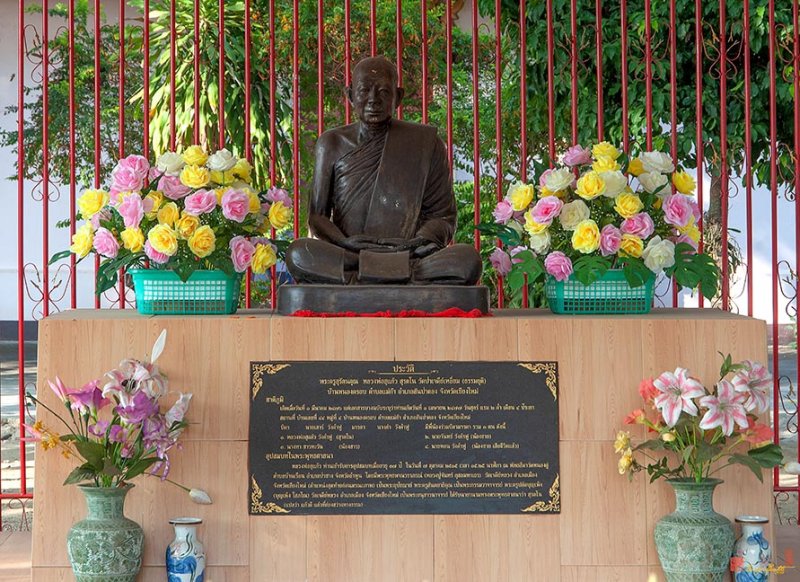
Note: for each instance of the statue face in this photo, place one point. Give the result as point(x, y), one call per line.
point(374, 95)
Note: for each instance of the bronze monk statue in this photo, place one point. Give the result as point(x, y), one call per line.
point(382, 207)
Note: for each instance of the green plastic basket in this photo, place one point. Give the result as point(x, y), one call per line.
point(205, 292)
point(609, 294)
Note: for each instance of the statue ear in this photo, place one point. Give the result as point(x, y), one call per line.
point(348, 91)
point(400, 93)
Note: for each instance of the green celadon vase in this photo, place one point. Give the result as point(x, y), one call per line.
point(694, 542)
point(106, 546)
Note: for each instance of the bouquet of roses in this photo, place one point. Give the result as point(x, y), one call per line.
point(598, 210)
point(117, 431)
point(694, 428)
point(189, 211)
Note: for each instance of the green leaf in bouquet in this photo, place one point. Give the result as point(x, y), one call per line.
point(139, 467)
point(692, 269)
point(58, 256)
point(706, 452)
point(589, 268)
point(529, 265)
point(750, 463)
point(79, 475)
point(110, 469)
point(635, 271)
point(184, 270)
point(651, 445)
point(505, 233)
point(768, 456)
point(93, 452)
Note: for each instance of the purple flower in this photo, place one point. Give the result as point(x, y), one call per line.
point(138, 408)
point(576, 156)
point(89, 398)
point(640, 225)
point(610, 239)
point(99, 428)
point(117, 434)
point(275, 194)
point(503, 212)
point(558, 265)
point(724, 409)
point(501, 262)
point(676, 392)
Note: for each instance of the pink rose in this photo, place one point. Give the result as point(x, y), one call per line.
point(103, 215)
point(132, 210)
point(154, 255)
point(154, 174)
point(677, 210)
point(640, 225)
point(515, 251)
point(235, 205)
point(543, 177)
point(610, 239)
point(576, 156)
point(501, 262)
point(242, 251)
point(105, 244)
point(172, 187)
point(546, 209)
point(138, 164)
point(558, 265)
point(200, 202)
point(503, 212)
point(279, 195)
point(125, 178)
point(695, 210)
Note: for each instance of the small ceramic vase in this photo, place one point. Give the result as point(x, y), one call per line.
point(752, 549)
point(186, 557)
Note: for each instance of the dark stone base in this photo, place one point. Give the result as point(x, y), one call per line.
point(373, 298)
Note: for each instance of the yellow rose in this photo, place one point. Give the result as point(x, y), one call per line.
point(279, 215)
point(255, 203)
point(82, 240)
point(158, 199)
point(222, 178)
point(163, 239)
point(220, 192)
point(195, 176)
point(605, 150)
point(532, 226)
point(263, 258)
point(132, 239)
point(635, 167)
point(520, 195)
point(691, 231)
point(202, 242)
point(242, 170)
point(605, 165)
point(168, 214)
point(631, 245)
point(195, 156)
point(186, 225)
point(590, 186)
point(625, 462)
point(586, 237)
point(544, 191)
point(91, 201)
point(684, 183)
point(628, 205)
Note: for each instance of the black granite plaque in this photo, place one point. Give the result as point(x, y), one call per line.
point(403, 438)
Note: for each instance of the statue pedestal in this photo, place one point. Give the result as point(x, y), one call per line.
point(374, 298)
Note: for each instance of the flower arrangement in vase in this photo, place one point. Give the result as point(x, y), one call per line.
point(190, 211)
point(695, 432)
point(597, 211)
point(117, 432)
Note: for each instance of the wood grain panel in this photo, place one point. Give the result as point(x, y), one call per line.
point(278, 548)
point(150, 574)
point(607, 574)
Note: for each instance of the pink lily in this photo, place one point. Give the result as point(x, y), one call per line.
point(89, 398)
point(724, 409)
point(754, 383)
point(60, 390)
point(676, 393)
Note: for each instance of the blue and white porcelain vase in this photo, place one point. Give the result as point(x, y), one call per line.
point(752, 549)
point(186, 557)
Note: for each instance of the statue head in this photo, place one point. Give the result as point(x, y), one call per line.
point(374, 93)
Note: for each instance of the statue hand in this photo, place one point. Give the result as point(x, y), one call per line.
point(402, 244)
point(425, 250)
point(360, 242)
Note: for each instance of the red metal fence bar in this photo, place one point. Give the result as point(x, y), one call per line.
point(698, 140)
point(748, 153)
point(796, 61)
point(476, 135)
point(398, 32)
point(574, 68)
point(673, 105)
point(498, 123)
point(723, 149)
point(248, 146)
point(173, 39)
point(221, 110)
point(296, 114)
point(424, 51)
point(623, 20)
point(523, 110)
point(21, 243)
point(196, 74)
point(45, 159)
point(648, 73)
point(121, 122)
point(598, 20)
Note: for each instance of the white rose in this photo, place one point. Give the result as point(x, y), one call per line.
point(540, 243)
point(615, 183)
point(657, 162)
point(239, 185)
point(170, 163)
point(573, 213)
point(221, 161)
point(652, 181)
point(558, 180)
point(659, 254)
